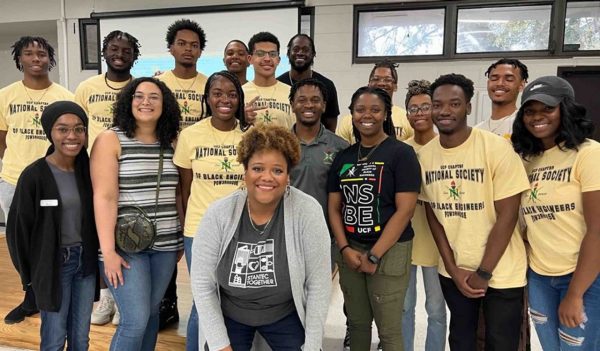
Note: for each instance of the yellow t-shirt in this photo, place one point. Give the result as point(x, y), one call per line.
point(97, 99)
point(275, 99)
point(20, 116)
point(211, 155)
point(401, 125)
point(188, 93)
point(424, 250)
point(553, 208)
point(461, 185)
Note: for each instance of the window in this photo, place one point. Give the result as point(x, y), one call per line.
point(501, 29)
point(466, 29)
point(401, 33)
point(582, 26)
point(89, 41)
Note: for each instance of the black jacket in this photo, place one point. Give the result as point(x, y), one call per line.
point(33, 231)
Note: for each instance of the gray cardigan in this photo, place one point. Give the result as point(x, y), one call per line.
point(308, 253)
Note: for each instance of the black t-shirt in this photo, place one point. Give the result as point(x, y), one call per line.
point(368, 188)
point(332, 109)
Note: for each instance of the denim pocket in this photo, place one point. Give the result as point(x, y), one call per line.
point(395, 262)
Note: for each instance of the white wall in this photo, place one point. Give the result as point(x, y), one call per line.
point(333, 38)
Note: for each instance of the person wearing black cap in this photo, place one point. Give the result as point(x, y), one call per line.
point(562, 212)
point(51, 234)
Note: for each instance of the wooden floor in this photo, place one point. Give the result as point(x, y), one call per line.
point(26, 334)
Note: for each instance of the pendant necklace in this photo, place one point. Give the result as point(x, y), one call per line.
point(361, 158)
point(260, 232)
point(113, 88)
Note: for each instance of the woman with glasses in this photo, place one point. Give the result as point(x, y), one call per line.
point(424, 251)
point(373, 188)
point(206, 157)
point(126, 164)
point(51, 232)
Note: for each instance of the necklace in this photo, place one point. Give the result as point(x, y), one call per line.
point(181, 86)
point(222, 143)
point(260, 232)
point(41, 97)
point(110, 86)
point(292, 81)
point(361, 158)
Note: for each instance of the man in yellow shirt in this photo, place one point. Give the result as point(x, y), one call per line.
point(267, 99)
point(384, 76)
point(506, 79)
point(22, 139)
point(97, 94)
point(472, 182)
point(186, 41)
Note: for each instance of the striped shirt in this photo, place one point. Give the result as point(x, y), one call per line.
point(138, 168)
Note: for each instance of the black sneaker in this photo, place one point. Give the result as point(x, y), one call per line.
point(18, 315)
point(347, 340)
point(168, 313)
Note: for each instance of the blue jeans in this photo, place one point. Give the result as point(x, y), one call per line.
point(139, 298)
point(285, 334)
point(434, 305)
point(545, 295)
point(193, 333)
point(72, 322)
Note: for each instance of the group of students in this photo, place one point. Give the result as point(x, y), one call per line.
point(249, 181)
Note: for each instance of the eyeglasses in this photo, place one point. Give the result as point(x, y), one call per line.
point(262, 53)
point(386, 80)
point(64, 131)
point(153, 98)
point(413, 110)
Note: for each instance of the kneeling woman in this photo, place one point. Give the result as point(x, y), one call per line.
point(263, 263)
point(373, 188)
point(51, 233)
point(562, 212)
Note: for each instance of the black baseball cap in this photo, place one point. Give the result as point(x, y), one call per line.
point(549, 90)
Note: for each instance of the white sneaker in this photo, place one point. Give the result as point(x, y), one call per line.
point(104, 311)
point(117, 317)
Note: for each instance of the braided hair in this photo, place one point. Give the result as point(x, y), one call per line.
point(239, 113)
point(25, 41)
point(117, 34)
point(388, 125)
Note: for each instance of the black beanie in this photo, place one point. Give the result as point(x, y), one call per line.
point(56, 109)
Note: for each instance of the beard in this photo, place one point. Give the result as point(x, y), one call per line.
point(302, 68)
point(125, 69)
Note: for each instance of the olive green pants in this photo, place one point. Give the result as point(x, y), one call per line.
point(379, 296)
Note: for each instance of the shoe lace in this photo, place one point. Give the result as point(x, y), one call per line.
point(105, 304)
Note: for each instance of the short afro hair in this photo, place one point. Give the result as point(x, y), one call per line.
point(269, 138)
point(262, 37)
point(310, 82)
point(185, 24)
point(417, 87)
point(23, 42)
point(513, 62)
point(455, 79)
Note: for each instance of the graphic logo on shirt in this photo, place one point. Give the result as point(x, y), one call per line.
point(226, 165)
point(534, 193)
point(253, 265)
point(454, 191)
point(328, 157)
point(361, 187)
point(267, 118)
point(36, 121)
point(184, 108)
point(110, 109)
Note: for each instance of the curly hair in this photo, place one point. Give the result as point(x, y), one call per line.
point(239, 114)
point(25, 41)
point(267, 138)
point(417, 87)
point(455, 79)
point(386, 64)
point(574, 128)
point(513, 62)
point(185, 24)
point(388, 125)
point(117, 34)
point(310, 40)
point(310, 82)
point(167, 126)
point(262, 37)
point(236, 41)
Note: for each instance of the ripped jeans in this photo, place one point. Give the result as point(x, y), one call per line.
point(378, 297)
point(545, 295)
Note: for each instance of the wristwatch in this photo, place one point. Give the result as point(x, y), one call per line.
point(372, 258)
point(483, 274)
